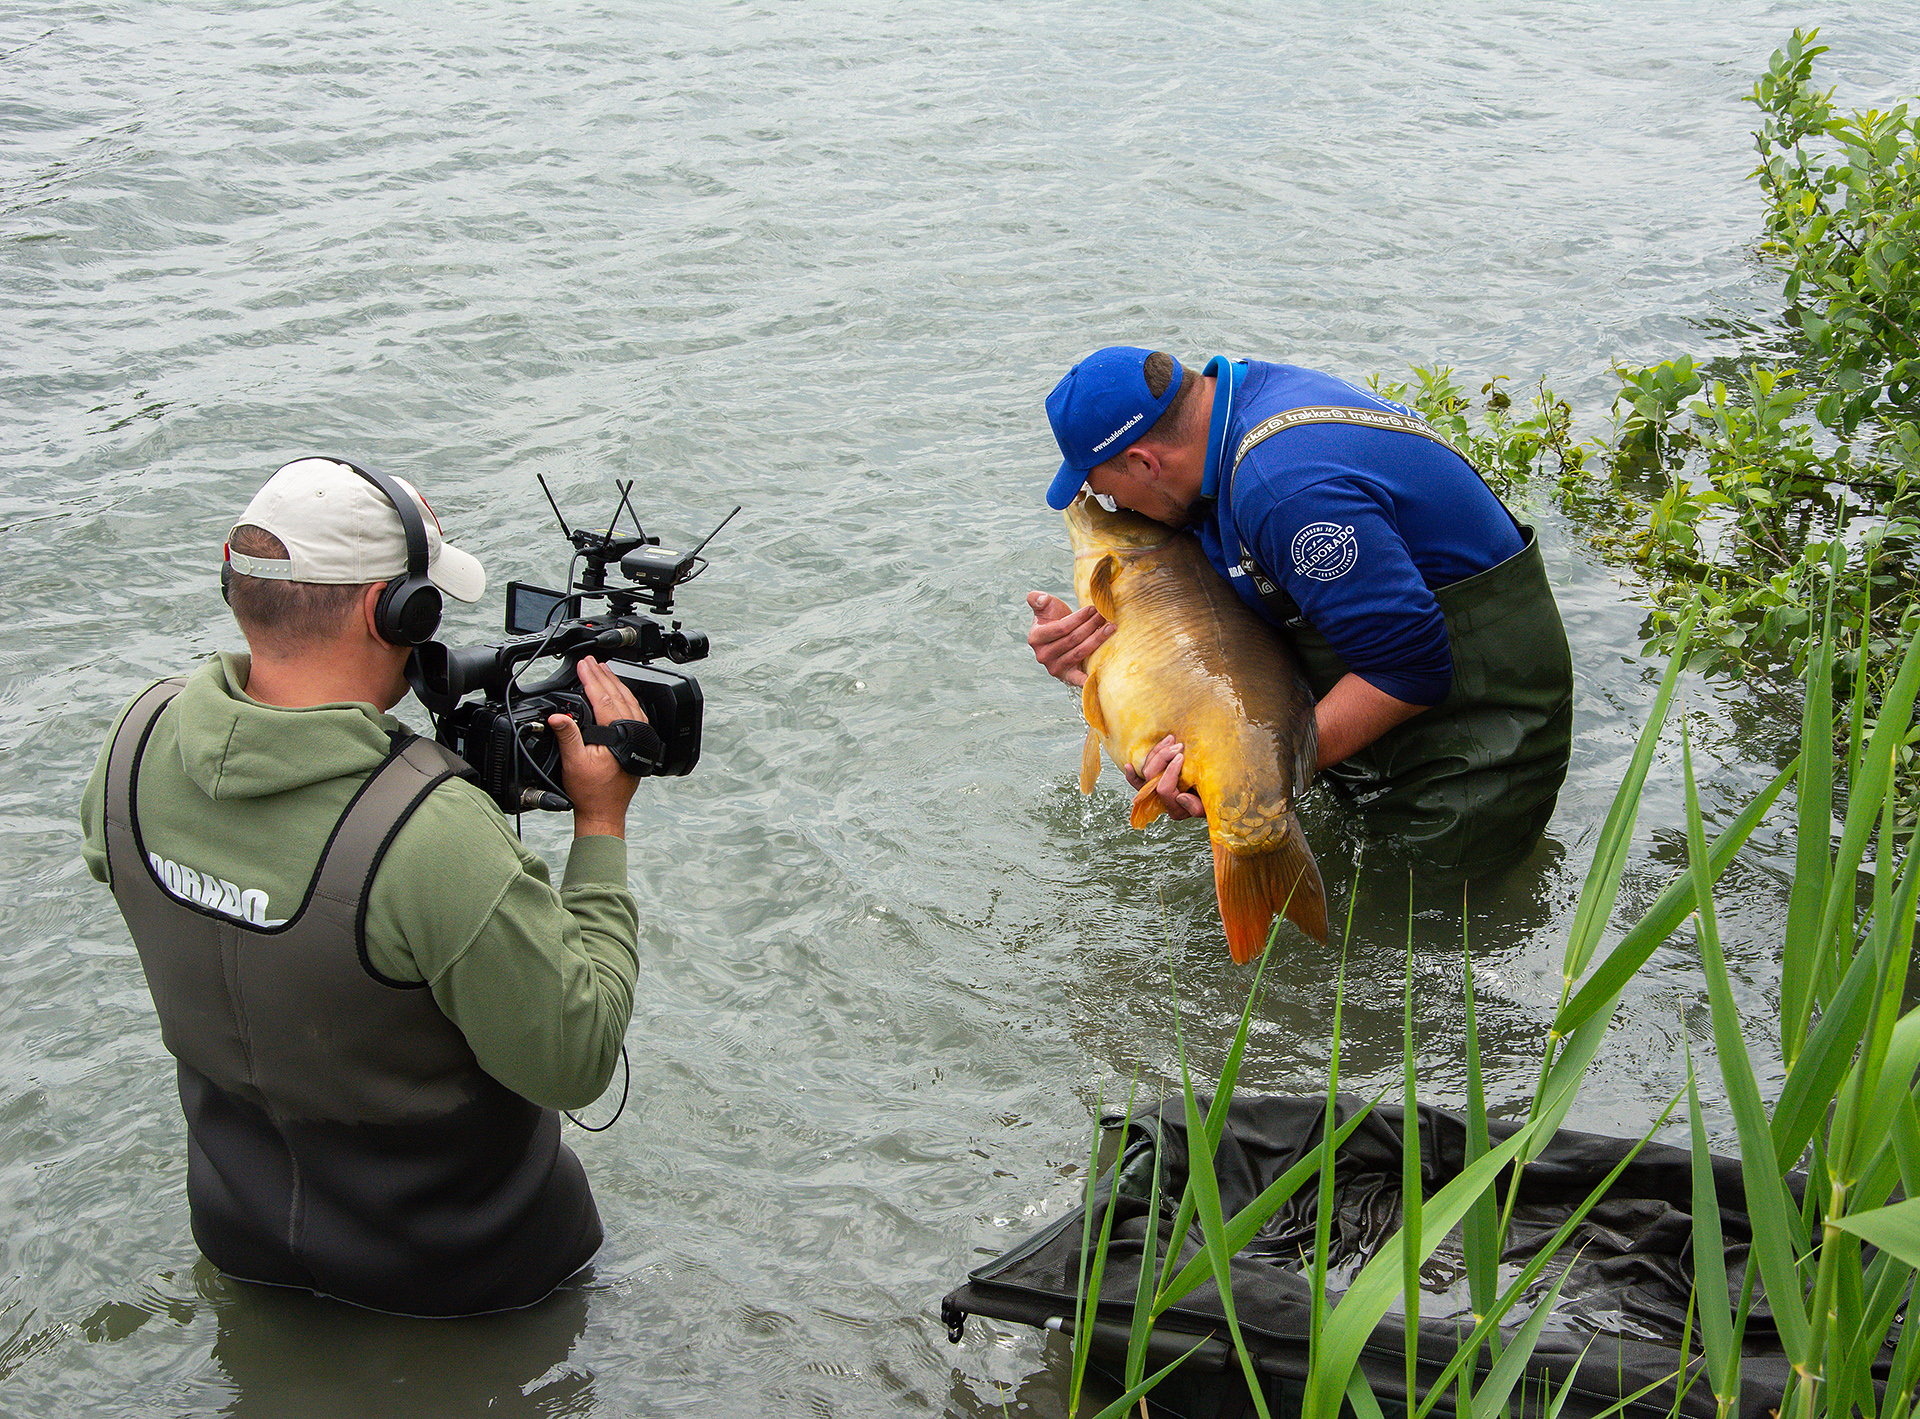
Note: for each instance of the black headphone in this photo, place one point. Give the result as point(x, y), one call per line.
point(408, 612)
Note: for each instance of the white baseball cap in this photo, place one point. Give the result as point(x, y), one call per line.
point(340, 530)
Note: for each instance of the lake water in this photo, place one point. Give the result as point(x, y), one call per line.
point(824, 262)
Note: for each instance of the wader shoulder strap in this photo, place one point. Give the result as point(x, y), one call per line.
point(1388, 419)
point(1272, 595)
point(123, 767)
point(369, 826)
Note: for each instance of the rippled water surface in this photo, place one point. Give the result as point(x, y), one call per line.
point(824, 262)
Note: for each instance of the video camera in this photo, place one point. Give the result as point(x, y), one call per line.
point(503, 735)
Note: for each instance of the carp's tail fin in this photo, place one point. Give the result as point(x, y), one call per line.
point(1254, 888)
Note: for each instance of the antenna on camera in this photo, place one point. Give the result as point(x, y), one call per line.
point(715, 533)
point(565, 531)
point(626, 491)
point(660, 571)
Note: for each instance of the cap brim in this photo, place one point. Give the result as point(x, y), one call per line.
point(1065, 487)
point(458, 574)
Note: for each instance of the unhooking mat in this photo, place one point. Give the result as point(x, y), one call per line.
point(1617, 1324)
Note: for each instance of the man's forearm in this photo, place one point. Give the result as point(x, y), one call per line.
point(1353, 714)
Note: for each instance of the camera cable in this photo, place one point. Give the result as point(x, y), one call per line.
point(626, 1064)
point(626, 1083)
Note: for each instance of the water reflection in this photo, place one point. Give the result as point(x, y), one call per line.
point(292, 1355)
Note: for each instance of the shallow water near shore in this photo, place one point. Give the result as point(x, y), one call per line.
point(824, 263)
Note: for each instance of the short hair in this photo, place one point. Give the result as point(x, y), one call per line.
point(1172, 423)
point(288, 613)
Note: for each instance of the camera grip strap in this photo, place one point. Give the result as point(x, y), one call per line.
point(634, 744)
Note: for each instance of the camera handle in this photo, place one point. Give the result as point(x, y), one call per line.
point(638, 750)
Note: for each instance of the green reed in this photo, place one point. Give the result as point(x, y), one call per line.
point(1847, 1113)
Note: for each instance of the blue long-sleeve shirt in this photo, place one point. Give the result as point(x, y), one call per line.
point(1359, 525)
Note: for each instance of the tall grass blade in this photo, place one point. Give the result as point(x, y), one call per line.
point(1488, 1324)
point(1903, 1376)
point(1610, 853)
point(1825, 1060)
point(1871, 783)
point(1887, 1109)
point(1314, 1404)
point(1498, 1386)
point(1245, 1224)
point(1813, 863)
point(1599, 995)
point(1710, 1265)
point(1767, 1201)
point(1341, 1335)
point(1857, 707)
point(1479, 1235)
point(1361, 1398)
point(1213, 1234)
point(1844, 1156)
point(1207, 1143)
point(1141, 1326)
point(1584, 1020)
point(1845, 1387)
point(1204, 1187)
point(1090, 1272)
point(1411, 1192)
point(1895, 1229)
point(1120, 1406)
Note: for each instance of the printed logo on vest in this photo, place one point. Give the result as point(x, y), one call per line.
point(1324, 551)
point(203, 889)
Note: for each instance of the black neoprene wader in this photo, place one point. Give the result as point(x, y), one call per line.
point(341, 1136)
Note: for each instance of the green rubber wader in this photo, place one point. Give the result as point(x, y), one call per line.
point(1468, 785)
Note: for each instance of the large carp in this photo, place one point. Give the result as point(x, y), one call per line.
point(1188, 658)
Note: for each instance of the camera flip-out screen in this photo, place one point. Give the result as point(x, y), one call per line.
point(534, 608)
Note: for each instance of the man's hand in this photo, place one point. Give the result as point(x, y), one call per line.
point(1063, 638)
point(592, 777)
point(1162, 770)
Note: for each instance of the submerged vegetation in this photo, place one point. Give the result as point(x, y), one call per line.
point(1744, 490)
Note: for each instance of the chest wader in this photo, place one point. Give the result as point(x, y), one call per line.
point(341, 1136)
point(1467, 785)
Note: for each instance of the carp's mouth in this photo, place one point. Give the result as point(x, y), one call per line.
point(1096, 531)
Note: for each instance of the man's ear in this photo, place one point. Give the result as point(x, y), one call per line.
point(370, 611)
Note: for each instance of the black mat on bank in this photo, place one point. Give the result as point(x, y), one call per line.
point(1624, 1302)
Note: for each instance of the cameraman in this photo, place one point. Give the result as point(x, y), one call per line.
point(376, 999)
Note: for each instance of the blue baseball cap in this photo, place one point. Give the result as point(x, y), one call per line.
point(1102, 407)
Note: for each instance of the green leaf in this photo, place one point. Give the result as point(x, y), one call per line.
point(1895, 1229)
point(1120, 1406)
point(1610, 854)
point(1767, 1201)
point(1710, 1264)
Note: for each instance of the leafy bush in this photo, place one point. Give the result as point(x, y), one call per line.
point(1744, 494)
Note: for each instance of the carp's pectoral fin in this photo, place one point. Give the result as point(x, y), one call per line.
point(1090, 761)
point(1146, 804)
point(1100, 586)
point(1090, 704)
point(1254, 888)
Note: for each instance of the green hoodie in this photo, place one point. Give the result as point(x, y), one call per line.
point(236, 802)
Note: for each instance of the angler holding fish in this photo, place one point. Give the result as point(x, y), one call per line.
point(1416, 603)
